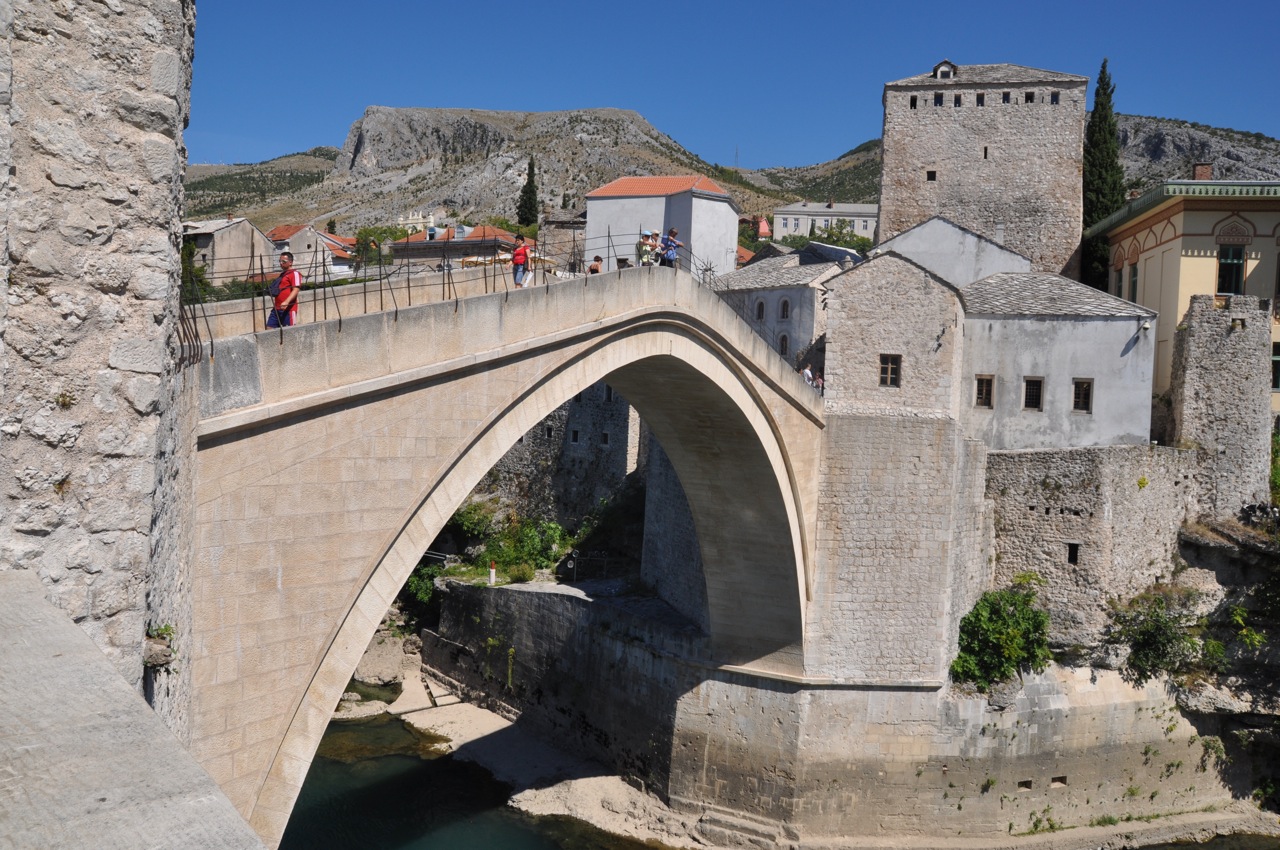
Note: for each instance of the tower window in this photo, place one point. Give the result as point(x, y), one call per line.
point(931, 176)
point(984, 151)
point(913, 101)
point(890, 370)
point(1055, 98)
point(981, 98)
point(1073, 554)
point(573, 436)
point(944, 73)
point(608, 393)
point(1006, 97)
point(604, 438)
point(958, 100)
point(1029, 97)
point(937, 98)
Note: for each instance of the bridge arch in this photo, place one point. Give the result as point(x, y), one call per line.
point(727, 417)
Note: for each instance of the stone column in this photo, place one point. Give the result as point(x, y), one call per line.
point(94, 99)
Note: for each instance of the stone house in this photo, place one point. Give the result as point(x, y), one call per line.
point(1196, 237)
point(561, 237)
point(704, 214)
point(800, 218)
point(952, 252)
point(230, 248)
point(455, 244)
point(318, 255)
point(997, 149)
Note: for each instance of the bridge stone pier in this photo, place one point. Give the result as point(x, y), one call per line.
point(329, 458)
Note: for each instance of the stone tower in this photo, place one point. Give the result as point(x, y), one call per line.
point(997, 149)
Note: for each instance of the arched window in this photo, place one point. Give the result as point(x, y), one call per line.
point(759, 311)
point(784, 309)
point(784, 345)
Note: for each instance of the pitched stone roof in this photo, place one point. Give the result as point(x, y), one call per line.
point(643, 187)
point(1003, 74)
point(1043, 294)
point(798, 269)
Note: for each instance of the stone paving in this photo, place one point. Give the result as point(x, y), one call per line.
point(84, 761)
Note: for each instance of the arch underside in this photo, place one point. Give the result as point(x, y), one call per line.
point(709, 412)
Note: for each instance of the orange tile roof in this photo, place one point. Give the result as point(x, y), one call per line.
point(744, 256)
point(283, 232)
point(340, 253)
point(349, 241)
point(655, 187)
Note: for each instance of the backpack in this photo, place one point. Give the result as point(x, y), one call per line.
point(274, 289)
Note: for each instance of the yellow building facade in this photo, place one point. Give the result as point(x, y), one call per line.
point(1196, 237)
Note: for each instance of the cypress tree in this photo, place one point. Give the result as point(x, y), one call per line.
point(527, 206)
point(1103, 178)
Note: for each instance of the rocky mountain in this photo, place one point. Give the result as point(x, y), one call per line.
point(470, 164)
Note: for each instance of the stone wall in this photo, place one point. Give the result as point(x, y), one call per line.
point(672, 561)
point(1010, 172)
point(1116, 510)
point(1221, 396)
point(94, 421)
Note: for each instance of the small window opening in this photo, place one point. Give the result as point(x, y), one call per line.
point(784, 310)
point(944, 73)
point(937, 98)
point(1055, 98)
point(573, 435)
point(550, 431)
point(1046, 511)
point(958, 100)
point(608, 393)
point(1073, 553)
point(784, 345)
point(760, 311)
point(931, 176)
point(1082, 395)
point(1058, 782)
point(913, 101)
point(1005, 97)
point(890, 370)
point(1033, 394)
point(1029, 97)
point(984, 395)
point(984, 151)
point(981, 98)
point(1237, 324)
point(520, 440)
point(1024, 784)
point(604, 438)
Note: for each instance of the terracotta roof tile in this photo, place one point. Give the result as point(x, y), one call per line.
point(284, 231)
point(632, 187)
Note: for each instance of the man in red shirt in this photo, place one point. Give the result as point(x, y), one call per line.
point(285, 288)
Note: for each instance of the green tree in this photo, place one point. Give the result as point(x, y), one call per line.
point(1002, 634)
point(331, 227)
point(1103, 178)
point(373, 243)
point(842, 235)
point(527, 206)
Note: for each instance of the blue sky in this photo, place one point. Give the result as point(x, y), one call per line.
point(752, 82)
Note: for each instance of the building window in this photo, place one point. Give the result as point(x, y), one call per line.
point(1073, 554)
point(1275, 367)
point(1133, 283)
point(573, 435)
point(759, 311)
point(604, 438)
point(931, 176)
point(826, 224)
point(1055, 98)
point(913, 101)
point(890, 370)
point(784, 222)
point(1033, 394)
point(784, 345)
point(549, 432)
point(608, 393)
point(1118, 288)
point(958, 100)
point(1005, 97)
point(984, 151)
point(1230, 269)
point(984, 395)
point(981, 98)
point(1029, 97)
point(784, 309)
point(937, 98)
point(944, 73)
point(1082, 395)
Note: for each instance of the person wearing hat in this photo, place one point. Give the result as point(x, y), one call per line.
point(644, 248)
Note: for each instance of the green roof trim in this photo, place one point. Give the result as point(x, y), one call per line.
point(1185, 189)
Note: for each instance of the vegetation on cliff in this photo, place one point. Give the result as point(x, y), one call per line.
point(1004, 633)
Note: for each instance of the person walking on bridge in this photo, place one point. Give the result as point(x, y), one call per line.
point(284, 294)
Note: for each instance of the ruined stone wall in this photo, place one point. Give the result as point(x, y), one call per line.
point(1010, 172)
point(563, 466)
point(672, 562)
point(1115, 509)
point(95, 419)
point(1221, 398)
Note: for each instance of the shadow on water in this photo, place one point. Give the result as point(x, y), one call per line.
point(379, 785)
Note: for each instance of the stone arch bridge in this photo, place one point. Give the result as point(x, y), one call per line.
point(330, 457)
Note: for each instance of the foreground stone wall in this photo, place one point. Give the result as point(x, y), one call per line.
point(671, 562)
point(92, 127)
point(1116, 510)
point(1221, 395)
point(772, 761)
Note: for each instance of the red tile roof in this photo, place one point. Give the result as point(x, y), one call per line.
point(483, 232)
point(764, 229)
point(633, 187)
point(283, 232)
point(744, 256)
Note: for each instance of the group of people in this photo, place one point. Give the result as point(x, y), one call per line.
point(652, 250)
point(813, 380)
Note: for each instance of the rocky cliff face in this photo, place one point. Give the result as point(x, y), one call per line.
point(1157, 149)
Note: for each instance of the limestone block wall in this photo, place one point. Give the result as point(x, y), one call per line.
point(671, 562)
point(1008, 171)
point(1221, 394)
point(901, 548)
point(95, 99)
point(1115, 510)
